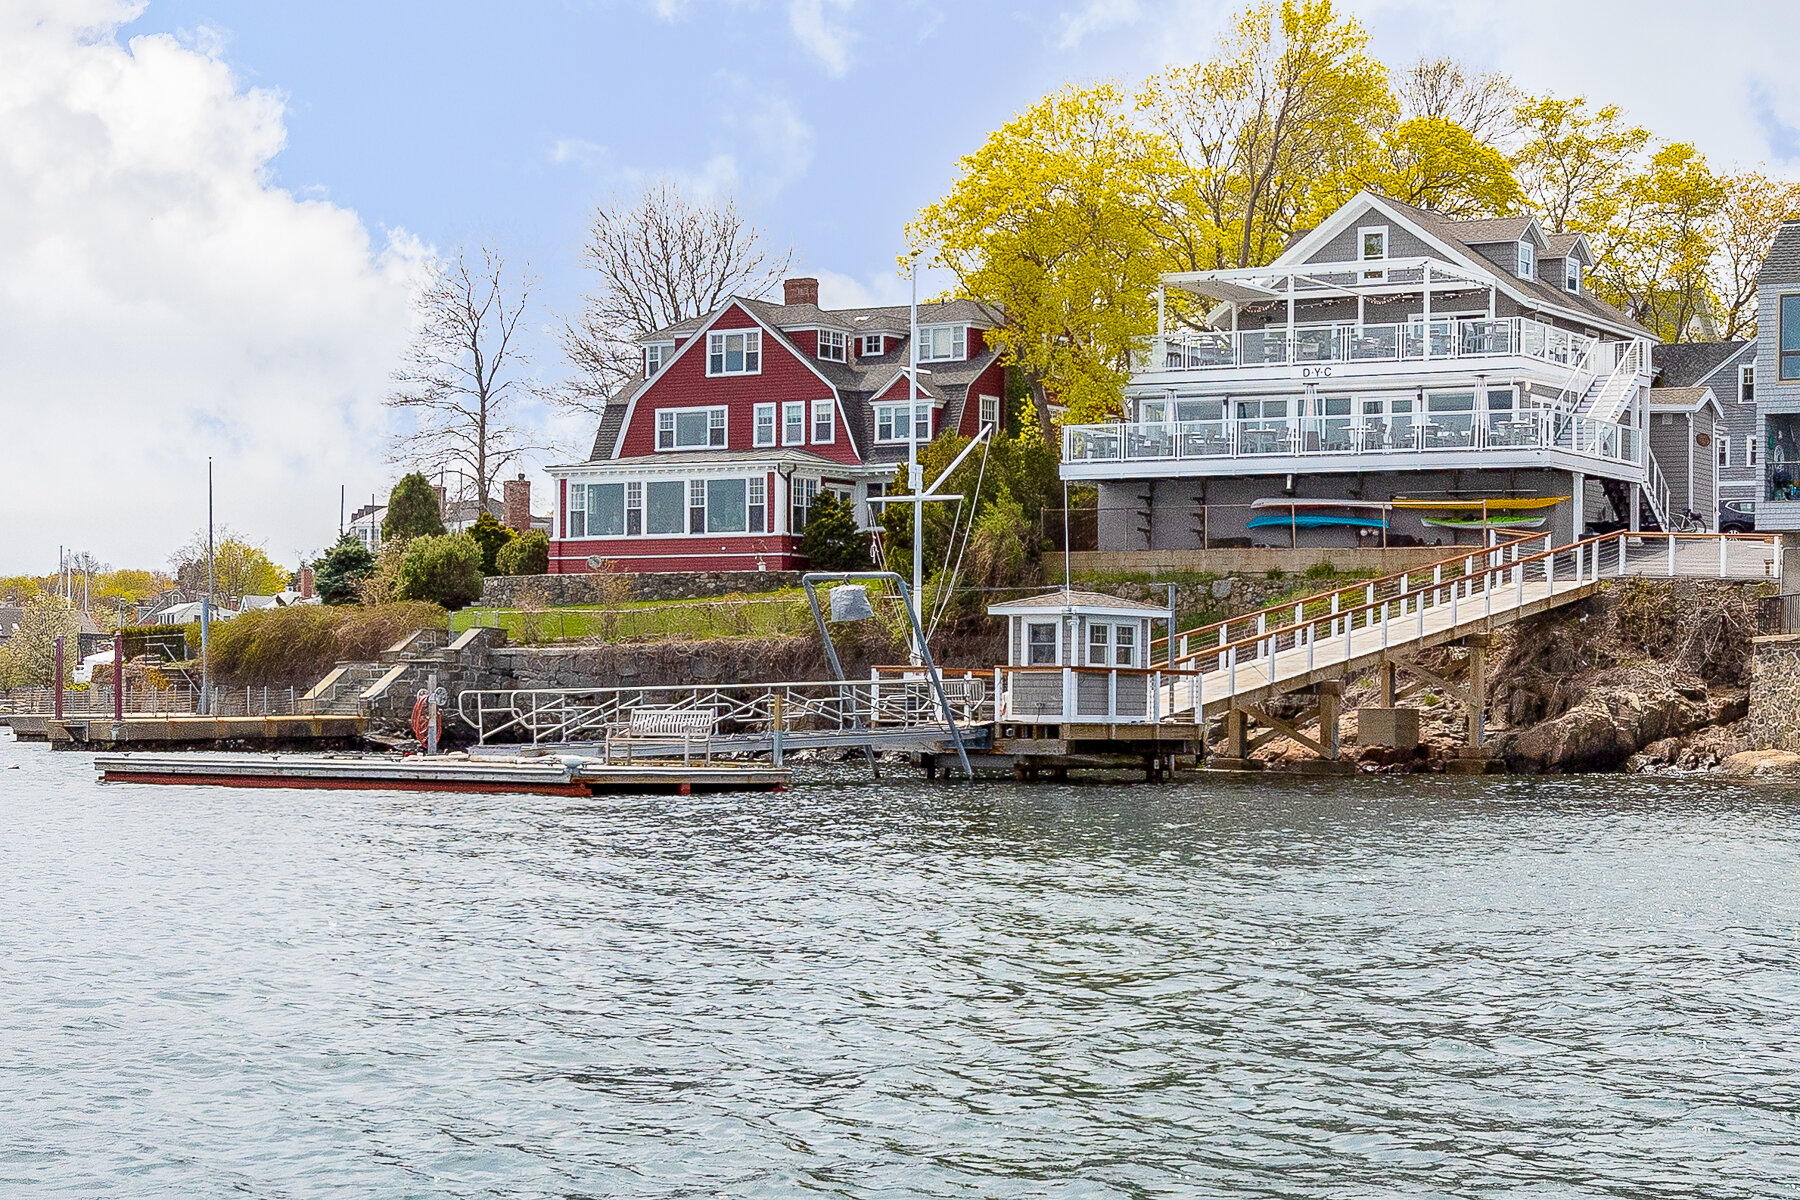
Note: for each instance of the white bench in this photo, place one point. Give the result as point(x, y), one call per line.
point(664, 727)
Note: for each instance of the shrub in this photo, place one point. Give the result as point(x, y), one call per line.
point(299, 644)
point(491, 536)
point(528, 554)
point(444, 570)
point(831, 541)
point(412, 510)
point(340, 571)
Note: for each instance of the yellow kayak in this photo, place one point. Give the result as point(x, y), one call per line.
point(1492, 504)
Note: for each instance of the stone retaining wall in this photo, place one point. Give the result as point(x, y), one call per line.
point(503, 591)
point(1775, 691)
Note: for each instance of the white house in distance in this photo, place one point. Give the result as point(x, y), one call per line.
point(1395, 377)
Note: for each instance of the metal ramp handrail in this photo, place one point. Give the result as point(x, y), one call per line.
point(1506, 584)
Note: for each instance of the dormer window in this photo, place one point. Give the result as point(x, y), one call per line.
point(943, 343)
point(871, 345)
point(1527, 261)
point(734, 353)
point(656, 355)
point(1572, 275)
point(833, 345)
point(1372, 246)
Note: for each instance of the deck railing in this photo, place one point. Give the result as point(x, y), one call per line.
point(1274, 437)
point(1347, 342)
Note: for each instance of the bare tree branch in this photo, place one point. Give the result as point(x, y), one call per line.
point(658, 258)
point(464, 373)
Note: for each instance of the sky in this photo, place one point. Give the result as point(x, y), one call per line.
point(212, 212)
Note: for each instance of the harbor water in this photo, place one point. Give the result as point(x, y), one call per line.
point(1394, 986)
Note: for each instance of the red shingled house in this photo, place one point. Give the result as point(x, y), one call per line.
point(713, 456)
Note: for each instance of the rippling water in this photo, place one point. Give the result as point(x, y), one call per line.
point(1393, 986)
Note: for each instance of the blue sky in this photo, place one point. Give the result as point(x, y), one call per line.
point(212, 210)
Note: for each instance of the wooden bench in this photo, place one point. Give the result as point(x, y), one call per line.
point(664, 727)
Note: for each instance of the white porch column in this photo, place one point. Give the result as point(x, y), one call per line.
point(1427, 314)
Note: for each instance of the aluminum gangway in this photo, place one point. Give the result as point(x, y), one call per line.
point(1331, 635)
point(895, 709)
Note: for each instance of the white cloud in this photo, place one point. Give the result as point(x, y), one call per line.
point(1095, 17)
point(822, 33)
point(162, 302)
point(577, 151)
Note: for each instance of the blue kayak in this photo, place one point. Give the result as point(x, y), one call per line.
point(1307, 520)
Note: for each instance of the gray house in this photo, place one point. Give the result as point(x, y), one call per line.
point(1728, 369)
point(1778, 381)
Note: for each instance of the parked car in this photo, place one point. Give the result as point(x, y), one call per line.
point(1737, 516)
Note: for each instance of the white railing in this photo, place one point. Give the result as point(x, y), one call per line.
point(1656, 490)
point(1409, 341)
point(1615, 391)
point(1266, 437)
point(1114, 695)
point(1260, 650)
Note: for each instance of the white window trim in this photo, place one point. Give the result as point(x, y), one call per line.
point(1746, 374)
point(926, 331)
point(829, 409)
point(709, 410)
point(786, 407)
point(1572, 263)
point(864, 342)
point(664, 352)
point(1361, 237)
point(1750, 450)
point(922, 405)
point(838, 340)
point(756, 426)
point(981, 411)
point(1725, 453)
point(1526, 250)
point(722, 334)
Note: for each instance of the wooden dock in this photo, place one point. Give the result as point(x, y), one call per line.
point(551, 776)
point(188, 731)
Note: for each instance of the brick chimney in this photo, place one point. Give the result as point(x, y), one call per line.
point(515, 503)
point(306, 583)
point(442, 510)
point(800, 291)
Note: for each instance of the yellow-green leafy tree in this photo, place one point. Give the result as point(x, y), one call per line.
point(1755, 206)
point(1292, 101)
point(1574, 161)
point(1438, 165)
point(1055, 221)
point(1656, 249)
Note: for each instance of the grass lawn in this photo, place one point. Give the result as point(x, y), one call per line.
point(763, 614)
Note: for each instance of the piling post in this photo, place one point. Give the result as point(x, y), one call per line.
point(1236, 734)
point(1331, 707)
point(1477, 690)
point(776, 719)
point(1387, 684)
point(56, 684)
point(118, 677)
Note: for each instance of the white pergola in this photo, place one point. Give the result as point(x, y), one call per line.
point(1311, 281)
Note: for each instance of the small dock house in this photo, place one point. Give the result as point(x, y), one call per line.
point(1074, 655)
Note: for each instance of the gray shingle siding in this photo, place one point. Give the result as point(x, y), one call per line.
point(1717, 365)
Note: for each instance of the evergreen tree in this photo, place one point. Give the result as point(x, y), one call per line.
point(491, 536)
point(831, 540)
point(340, 571)
point(445, 570)
point(412, 510)
point(527, 554)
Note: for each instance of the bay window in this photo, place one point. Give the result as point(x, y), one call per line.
point(725, 505)
point(734, 353)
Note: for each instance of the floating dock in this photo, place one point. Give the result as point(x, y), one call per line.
point(547, 776)
point(190, 732)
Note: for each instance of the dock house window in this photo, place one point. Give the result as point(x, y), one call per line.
point(833, 345)
point(690, 428)
point(1789, 365)
point(662, 507)
point(765, 425)
point(734, 353)
point(1040, 644)
point(1112, 645)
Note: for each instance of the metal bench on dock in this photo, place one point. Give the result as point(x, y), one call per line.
point(664, 728)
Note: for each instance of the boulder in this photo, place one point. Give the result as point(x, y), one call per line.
point(1601, 731)
point(1762, 764)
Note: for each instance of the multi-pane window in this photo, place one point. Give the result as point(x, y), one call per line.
point(1750, 450)
point(577, 515)
point(1040, 644)
point(663, 512)
point(833, 345)
point(1747, 384)
point(696, 506)
point(793, 423)
point(765, 425)
point(1111, 645)
point(1372, 247)
point(891, 424)
point(872, 345)
point(656, 355)
point(824, 422)
point(757, 505)
point(734, 353)
point(1724, 452)
point(1572, 274)
point(1788, 363)
point(943, 343)
point(990, 410)
point(1527, 260)
point(690, 428)
point(634, 509)
point(805, 491)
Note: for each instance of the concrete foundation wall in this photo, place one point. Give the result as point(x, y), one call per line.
point(504, 591)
